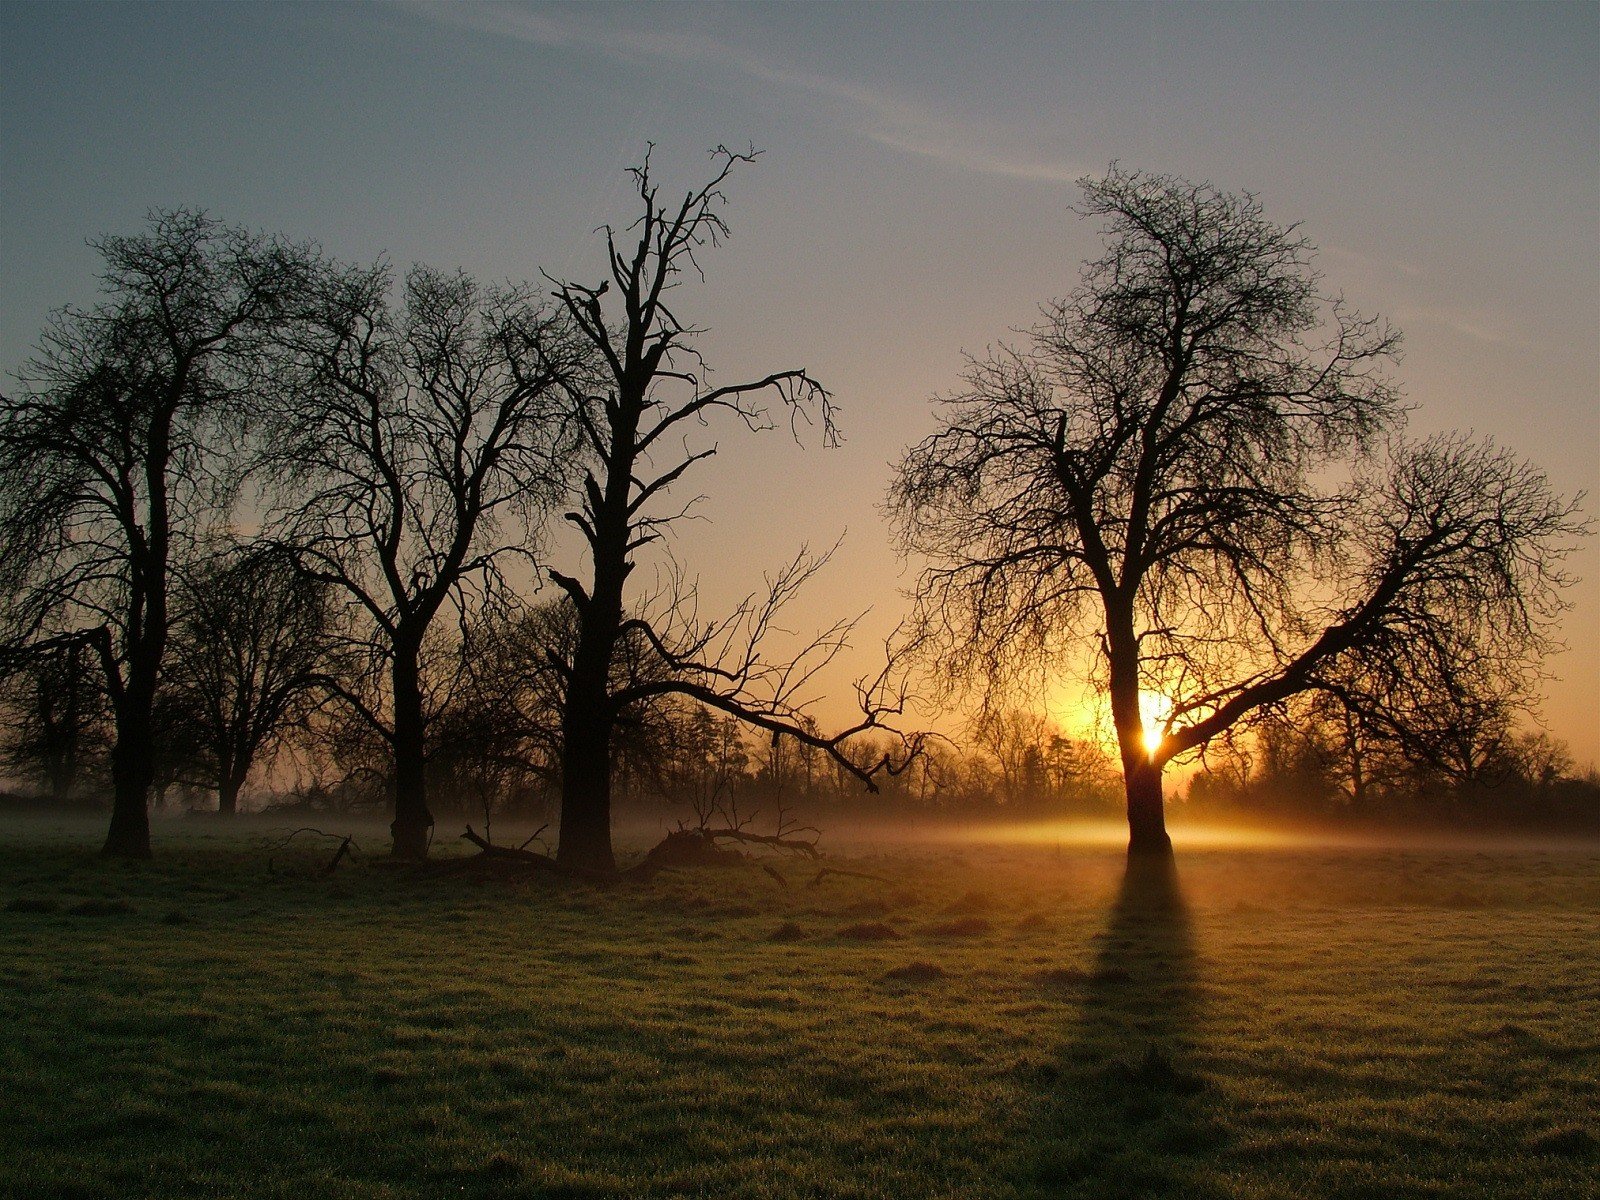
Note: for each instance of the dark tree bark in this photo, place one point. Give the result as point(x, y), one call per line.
point(589, 714)
point(132, 771)
point(412, 827)
point(228, 788)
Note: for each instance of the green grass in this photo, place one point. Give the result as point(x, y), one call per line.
point(1286, 1022)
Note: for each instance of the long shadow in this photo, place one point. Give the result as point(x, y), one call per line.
point(1126, 1114)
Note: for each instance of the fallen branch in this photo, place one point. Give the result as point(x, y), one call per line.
point(775, 873)
point(534, 836)
point(534, 861)
point(797, 845)
point(347, 847)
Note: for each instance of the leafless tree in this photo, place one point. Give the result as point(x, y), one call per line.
point(413, 466)
point(1148, 478)
point(57, 718)
point(636, 419)
point(252, 650)
point(1015, 740)
point(108, 463)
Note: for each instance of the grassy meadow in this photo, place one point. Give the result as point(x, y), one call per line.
point(994, 1021)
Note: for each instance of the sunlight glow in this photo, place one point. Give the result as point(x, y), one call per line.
point(1154, 712)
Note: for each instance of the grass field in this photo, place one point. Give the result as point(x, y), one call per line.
point(996, 1021)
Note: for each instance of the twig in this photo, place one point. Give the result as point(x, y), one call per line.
point(534, 837)
point(345, 847)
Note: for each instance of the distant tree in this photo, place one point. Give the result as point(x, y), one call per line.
point(1148, 481)
point(109, 463)
point(415, 459)
point(178, 752)
point(251, 654)
point(706, 763)
point(57, 720)
point(1014, 741)
point(1540, 760)
point(649, 393)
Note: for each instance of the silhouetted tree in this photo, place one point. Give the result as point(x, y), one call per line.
point(108, 464)
point(57, 719)
point(251, 653)
point(705, 763)
point(418, 454)
point(650, 393)
point(1014, 740)
point(178, 751)
point(1148, 478)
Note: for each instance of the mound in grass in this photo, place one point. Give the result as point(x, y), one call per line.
point(970, 904)
point(787, 932)
point(32, 904)
point(101, 908)
point(915, 972)
point(870, 931)
point(1061, 977)
point(961, 927)
point(1574, 1141)
point(1155, 1072)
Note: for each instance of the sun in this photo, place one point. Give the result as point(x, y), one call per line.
point(1155, 710)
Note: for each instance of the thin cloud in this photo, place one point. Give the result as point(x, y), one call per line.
point(1484, 325)
point(894, 121)
point(1374, 266)
point(1479, 325)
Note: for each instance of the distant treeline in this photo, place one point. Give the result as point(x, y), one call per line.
point(495, 758)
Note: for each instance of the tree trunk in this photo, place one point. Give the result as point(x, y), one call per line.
point(587, 721)
point(1147, 819)
point(227, 796)
point(413, 823)
point(1141, 774)
point(132, 769)
point(585, 834)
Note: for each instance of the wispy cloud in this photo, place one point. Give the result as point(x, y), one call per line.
point(1381, 268)
point(896, 121)
point(1481, 325)
point(1417, 304)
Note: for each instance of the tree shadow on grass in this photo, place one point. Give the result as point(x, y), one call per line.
point(1126, 1112)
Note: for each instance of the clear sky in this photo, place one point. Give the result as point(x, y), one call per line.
point(913, 201)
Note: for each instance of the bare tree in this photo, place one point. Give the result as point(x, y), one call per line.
point(251, 652)
point(635, 420)
point(58, 720)
point(1148, 479)
point(413, 466)
point(1014, 739)
point(108, 463)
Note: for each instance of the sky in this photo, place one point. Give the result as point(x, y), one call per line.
point(912, 204)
